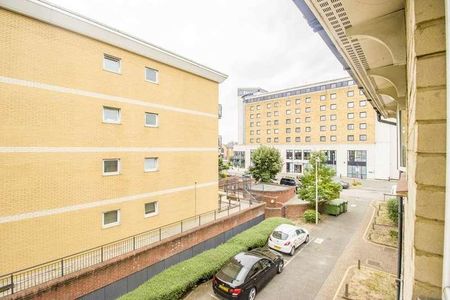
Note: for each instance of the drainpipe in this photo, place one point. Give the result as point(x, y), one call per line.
point(384, 121)
point(446, 264)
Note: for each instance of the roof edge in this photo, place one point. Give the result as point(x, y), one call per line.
point(61, 17)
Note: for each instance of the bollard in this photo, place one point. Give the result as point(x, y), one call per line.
point(359, 264)
point(346, 290)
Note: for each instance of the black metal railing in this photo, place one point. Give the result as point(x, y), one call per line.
point(39, 274)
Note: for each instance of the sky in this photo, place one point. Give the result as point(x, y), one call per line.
point(257, 43)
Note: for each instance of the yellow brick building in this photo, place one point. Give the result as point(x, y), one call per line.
point(103, 135)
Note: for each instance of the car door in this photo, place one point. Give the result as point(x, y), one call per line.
point(255, 276)
point(269, 270)
point(302, 236)
point(298, 237)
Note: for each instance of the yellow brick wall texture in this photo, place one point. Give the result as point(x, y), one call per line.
point(32, 117)
point(299, 111)
point(426, 148)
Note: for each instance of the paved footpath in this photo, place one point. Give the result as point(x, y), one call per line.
point(316, 270)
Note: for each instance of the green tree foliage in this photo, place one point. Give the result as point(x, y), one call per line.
point(392, 206)
point(310, 216)
point(327, 188)
point(223, 167)
point(266, 163)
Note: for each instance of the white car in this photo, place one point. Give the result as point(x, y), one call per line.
point(286, 238)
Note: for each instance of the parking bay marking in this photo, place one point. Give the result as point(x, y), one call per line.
point(318, 241)
point(299, 251)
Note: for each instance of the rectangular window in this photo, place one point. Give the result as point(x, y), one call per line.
point(362, 103)
point(269, 123)
point(323, 118)
point(350, 138)
point(288, 130)
point(251, 124)
point(275, 140)
point(289, 154)
point(150, 209)
point(333, 96)
point(297, 139)
point(275, 113)
point(275, 104)
point(297, 120)
point(288, 121)
point(150, 164)
point(297, 129)
point(111, 63)
point(252, 140)
point(288, 111)
point(268, 131)
point(111, 166)
point(362, 125)
point(268, 105)
point(323, 107)
point(333, 106)
point(361, 92)
point(307, 119)
point(297, 101)
point(288, 102)
point(363, 137)
point(151, 75)
point(350, 104)
point(252, 132)
point(111, 218)
point(307, 139)
point(351, 82)
point(258, 132)
point(350, 93)
point(308, 109)
point(323, 138)
point(363, 114)
point(350, 116)
point(297, 168)
point(275, 131)
point(323, 128)
point(269, 114)
point(275, 122)
point(333, 127)
point(333, 138)
point(297, 110)
point(289, 168)
point(252, 116)
point(298, 154)
point(258, 115)
point(306, 155)
point(350, 126)
point(323, 97)
point(258, 140)
point(308, 100)
point(333, 117)
point(252, 108)
point(269, 140)
point(258, 124)
point(288, 140)
point(151, 119)
point(258, 107)
point(308, 129)
point(111, 115)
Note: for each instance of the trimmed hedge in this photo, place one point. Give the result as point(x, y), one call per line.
point(310, 216)
point(174, 282)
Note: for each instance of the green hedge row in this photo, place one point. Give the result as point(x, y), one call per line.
point(174, 282)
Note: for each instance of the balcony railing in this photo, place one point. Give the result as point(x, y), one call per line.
point(39, 274)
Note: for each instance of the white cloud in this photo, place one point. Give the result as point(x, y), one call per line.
point(263, 43)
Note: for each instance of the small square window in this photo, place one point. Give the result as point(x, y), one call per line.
point(258, 140)
point(297, 120)
point(323, 107)
point(323, 138)
point(333, 106)
point(252, 116)
point(268, 105)
point(252, 108)
point(323, 118)
point(308, 139)
point(350, 104)
point(297, 139)
point(275, 104)
point(275, 113)
point(297, 111)
point(288, 102)
point(308, 129)
point(150, 164)
point(350, 126)
point(351, 82)
point(297, 129)
point(275, 140)
point(362, 103)
point(258, 124)
point(308, 109)
point(111, 166)
point(252, 132)
point(288, 140)
point(269, 140)
point(288, 112)
point(333, 117)
point(288, 130)
point(307, 119)
point(350, 93)
point(323, 128)
point(275, 122)
point(111, 115)
point(258, 107)
point(275, 131)
point(323, 97)
point(297, 101)
point(308, 100)
point(333, 127)
point(333, 138)
point(363, 126)
point(252, 140)
point(288, 121)
point(268, 131)
point(269, 123)
point(363, 137)
point(363, 114)
point(151, 75)
point(251, 124)
point(350, 138)
point(151, 119)
point(333, 96)
point(269, 114)
point(258, 115)
point(350, 116)
point(258, 132)
point(361, 92)
point(111, 63)
point(111, 218)
point(151, 209)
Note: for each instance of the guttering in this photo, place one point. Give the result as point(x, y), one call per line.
point(379, 119)
point(60, 17)
point(446, 261)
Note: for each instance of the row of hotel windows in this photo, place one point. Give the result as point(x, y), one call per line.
point(114, 64)
point(333, 117)
point(350, 138)
point(112, 218)
point(308, 129)
point(307, 100)
point(111, 166)
point(112, 115)
point(351, 104)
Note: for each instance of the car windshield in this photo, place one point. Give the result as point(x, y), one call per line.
point(233, 272)
point(280, 235)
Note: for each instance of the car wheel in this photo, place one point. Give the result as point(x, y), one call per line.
point(292, 251)
point(252, 294)
point(307, 239)
point(280, 267)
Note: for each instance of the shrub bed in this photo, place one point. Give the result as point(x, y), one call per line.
point(310, 216)
point(174, 282)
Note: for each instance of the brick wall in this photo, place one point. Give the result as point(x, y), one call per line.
point(91, 279)
point(295, 211)
point(424, 208)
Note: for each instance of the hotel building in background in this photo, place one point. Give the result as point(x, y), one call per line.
point(103, 135)
point(333, 116)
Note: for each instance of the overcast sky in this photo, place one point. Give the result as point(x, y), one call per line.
point(257, 43)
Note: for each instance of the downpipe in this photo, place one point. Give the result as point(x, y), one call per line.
point(446, 262)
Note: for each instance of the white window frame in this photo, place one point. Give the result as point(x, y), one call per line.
point(350, 116)
point(363, 126)
point(333, 117)
point(111, 173)
point(350, 104)
point(323, 97)
point(308, 100)
point(156, 167)
point(333, 106)
point(148, 215)
point(362, 103)
point(111, 122)
point(333, 96)
point(157, 75)
point(112, 57)
point(333, 138)
point(350, 93)
point(145, 119)
point(323, 107)
point(111, 224)
point(363, 114)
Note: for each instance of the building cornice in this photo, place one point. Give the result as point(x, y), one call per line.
point(66, 19)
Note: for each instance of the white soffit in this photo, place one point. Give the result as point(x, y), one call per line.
point(63, 18)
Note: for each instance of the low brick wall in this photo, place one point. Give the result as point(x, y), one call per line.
point(281, 196)
point(295, 211)
point(112, 272)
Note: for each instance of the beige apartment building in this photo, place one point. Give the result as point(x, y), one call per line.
point(396, 52)
point(103, 135)
point(332, 116)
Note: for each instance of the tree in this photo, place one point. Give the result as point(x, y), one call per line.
point(266, 163)
point(223, 167)
point(327, 188)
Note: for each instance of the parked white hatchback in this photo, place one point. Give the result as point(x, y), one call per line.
point(286, 238)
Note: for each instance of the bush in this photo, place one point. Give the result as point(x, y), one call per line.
point(174, 282)
point(310, 216)
point(393, 234)
point(392, 206)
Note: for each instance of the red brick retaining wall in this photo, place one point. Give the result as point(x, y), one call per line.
point(295, 211)
point(90, 279)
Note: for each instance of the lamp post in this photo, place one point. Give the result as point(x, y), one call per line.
point(317, 190)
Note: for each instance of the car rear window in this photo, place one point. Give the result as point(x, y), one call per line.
point(288, 181)
point(233, 271)
point(280, 235)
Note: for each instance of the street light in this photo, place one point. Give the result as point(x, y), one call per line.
point(317, 190)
